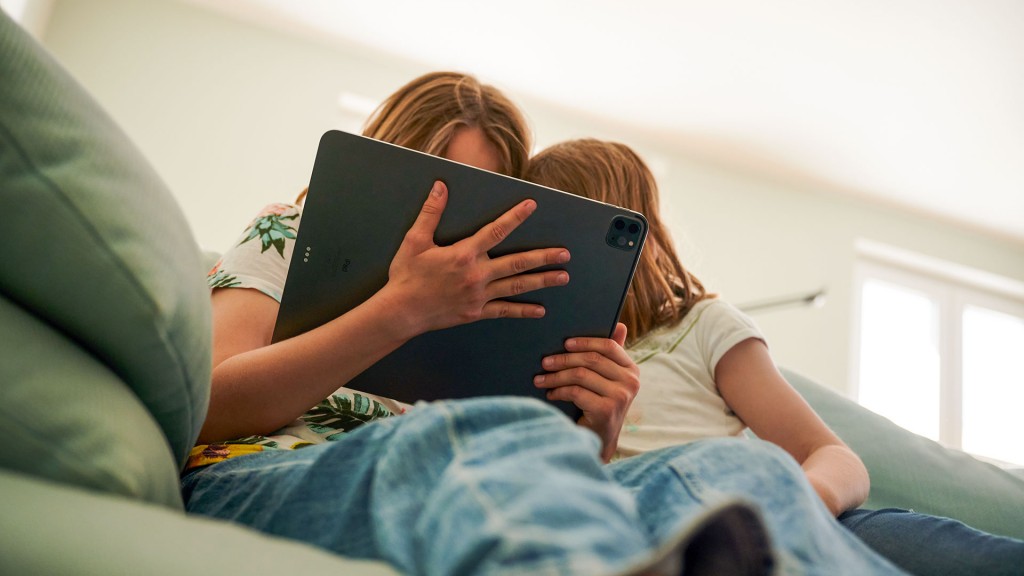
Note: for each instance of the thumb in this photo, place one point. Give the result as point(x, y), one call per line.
point(619, 334)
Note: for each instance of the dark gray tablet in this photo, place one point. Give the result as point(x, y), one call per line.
point(365, 194)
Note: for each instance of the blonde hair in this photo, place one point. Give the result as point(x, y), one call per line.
point(425, 113)
point(663, 291)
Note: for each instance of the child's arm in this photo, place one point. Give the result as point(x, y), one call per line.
point(258, 387)
point(752, 386)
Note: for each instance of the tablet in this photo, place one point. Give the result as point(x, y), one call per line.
point(365, 194)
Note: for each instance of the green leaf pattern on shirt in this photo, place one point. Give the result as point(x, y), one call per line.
point(343, 413)
point(270, 228)
point(221, 279)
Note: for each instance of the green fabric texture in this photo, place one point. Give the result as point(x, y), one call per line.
point(66, 417)
point(97, 249)
point(56, 529)
point(913, 472)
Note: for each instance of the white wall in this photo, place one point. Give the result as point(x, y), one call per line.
point(230, 115)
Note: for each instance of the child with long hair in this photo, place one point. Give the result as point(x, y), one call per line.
point(706, 372)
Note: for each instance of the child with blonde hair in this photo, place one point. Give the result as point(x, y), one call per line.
point(706, 372)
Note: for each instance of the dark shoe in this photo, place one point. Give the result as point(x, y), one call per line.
point(729, 539)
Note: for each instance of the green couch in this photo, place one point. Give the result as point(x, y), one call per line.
point(911, 471)
point(105, 338)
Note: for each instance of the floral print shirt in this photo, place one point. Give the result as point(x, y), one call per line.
point(259, 260)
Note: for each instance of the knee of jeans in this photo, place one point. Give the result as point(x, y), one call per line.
point(497, 412)
point(752, 453)
point(742, 445)
point(508, 422)
point(719, 468)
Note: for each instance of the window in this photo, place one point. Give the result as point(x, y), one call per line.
point(993, 389)
point(938, 350)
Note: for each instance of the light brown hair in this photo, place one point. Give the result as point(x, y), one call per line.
point(663, 290)
point(424, 114)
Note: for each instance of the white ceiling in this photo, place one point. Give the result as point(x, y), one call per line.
point(915, 102)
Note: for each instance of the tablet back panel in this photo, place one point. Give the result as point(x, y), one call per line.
point(365, 194)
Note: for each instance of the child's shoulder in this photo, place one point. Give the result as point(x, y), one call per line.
point(716, 307)
point(706, 311)
point(706, 315)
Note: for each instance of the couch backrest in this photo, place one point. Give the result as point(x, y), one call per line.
point(105, 338)
point(911, 471)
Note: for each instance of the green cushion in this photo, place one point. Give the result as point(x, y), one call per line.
point(913, 472)
point(57, 529)
point(95, 247)
point(65, 416)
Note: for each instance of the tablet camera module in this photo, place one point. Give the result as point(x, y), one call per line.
point(624, 233)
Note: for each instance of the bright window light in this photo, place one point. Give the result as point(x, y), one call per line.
point(938, 351)
point(993, 384)
point(899, 363)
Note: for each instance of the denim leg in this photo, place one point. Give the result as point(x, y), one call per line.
point(479, 486)
point(931, 545)
point(673, 484)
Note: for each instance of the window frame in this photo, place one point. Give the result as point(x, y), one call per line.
point(954, 288)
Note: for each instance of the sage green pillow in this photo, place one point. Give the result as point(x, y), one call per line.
point(96, 251)
point(913, 472)
point(67, 417)
point(57, 530)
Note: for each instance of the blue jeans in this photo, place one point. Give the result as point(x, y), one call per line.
point(930, 545)
point(672, 484)
point(493, 486)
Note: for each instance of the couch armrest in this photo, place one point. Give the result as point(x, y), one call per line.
point(50, 528)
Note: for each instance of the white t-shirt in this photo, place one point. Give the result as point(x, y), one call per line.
point(678, 401)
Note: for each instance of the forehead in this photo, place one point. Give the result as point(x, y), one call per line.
point(469, 145)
